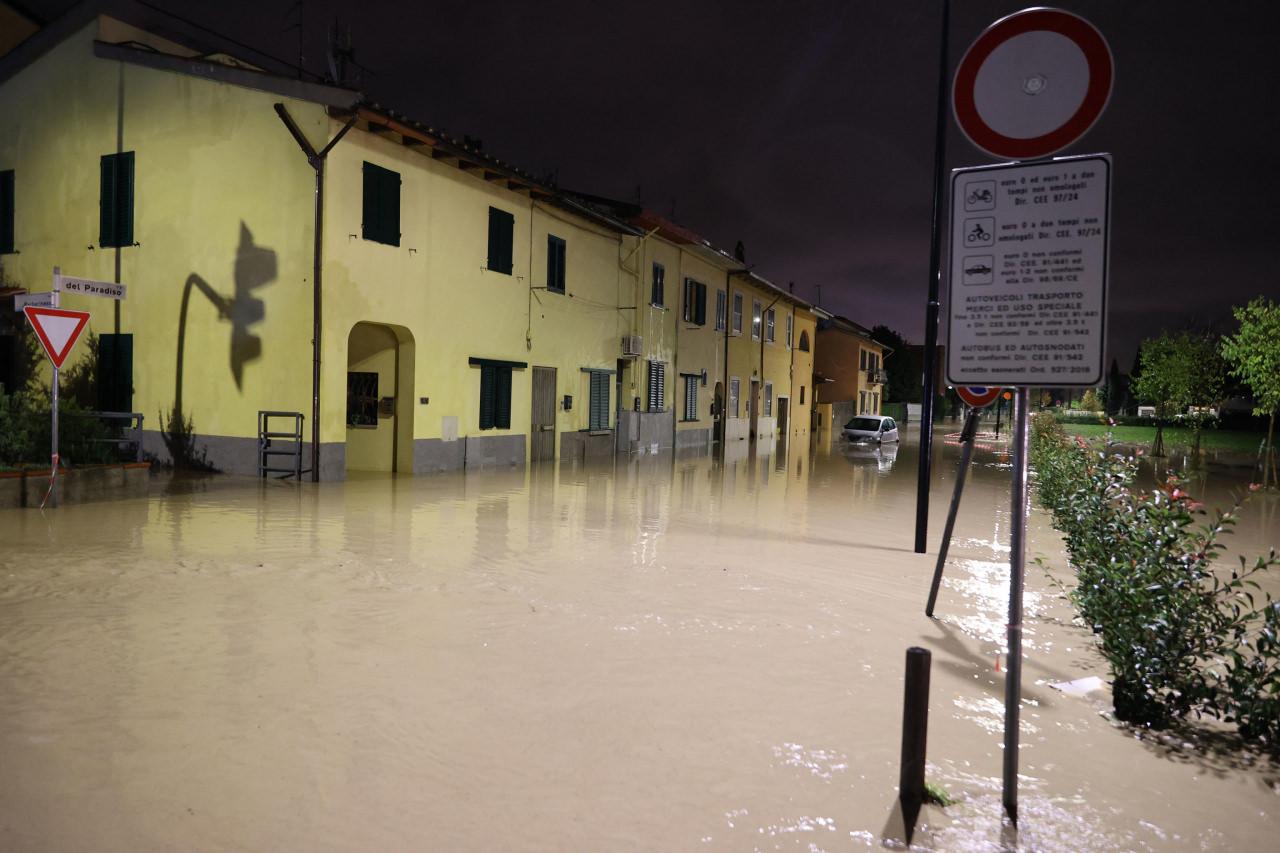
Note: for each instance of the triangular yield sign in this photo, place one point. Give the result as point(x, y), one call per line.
point(58, 330)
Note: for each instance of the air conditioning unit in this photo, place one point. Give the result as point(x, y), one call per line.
point(632, 346)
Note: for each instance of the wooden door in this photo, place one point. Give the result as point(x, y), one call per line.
point(542, 430)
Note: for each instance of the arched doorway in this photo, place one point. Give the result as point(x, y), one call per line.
point(380, 397)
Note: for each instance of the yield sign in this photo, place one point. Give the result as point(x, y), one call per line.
point(58, 330)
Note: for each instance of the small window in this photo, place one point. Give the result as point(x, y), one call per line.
point(722, 309)
point(737, 313)
point(658, 296)
point(6, 212)
point(734, 388)
point(695, 302)
point(555, 263)
point(801, 395)
point(804, 340)
point(495, 397)
point(790, 323)
point(657, 386)
point(755, 320)
point(502, 227)
point(691, 398)
point(862, 359)
point(768, 399)
point(598, 417)
point(770, 324)
point(362, 399)
point(115, 203)
point(381, 205)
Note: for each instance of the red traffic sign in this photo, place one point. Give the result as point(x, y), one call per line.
point(978, 396)
point(1032, 84)
point(58, 330)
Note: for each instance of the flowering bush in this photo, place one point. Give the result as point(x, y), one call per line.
point(1178, 636)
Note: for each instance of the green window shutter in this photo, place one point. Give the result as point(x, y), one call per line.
point(502, 412)
point(371, 227)
point(501, 233)
point(6, 212)
point(124, 199)
point(488, 396)
point(115, 373)
point(657, 296)
point(555, 264)
point(599, 414)
point(701, 304)
point(381, 205)
point(107, 202)
point(390, 207)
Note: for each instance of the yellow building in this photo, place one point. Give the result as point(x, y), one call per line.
point(849, 368)
point(414, 303)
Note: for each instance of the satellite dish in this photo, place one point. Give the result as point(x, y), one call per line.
point(1032, 84)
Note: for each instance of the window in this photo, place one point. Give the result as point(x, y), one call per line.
point(362, 399)
point(755, 320)
point(862, 359)
point(6, 212)
point(495, 397)
point(802, 395)
point(790, 323)
point(502, 227)
point(862, 402)
point(657, 386)
point(115, 204)
point(115, 372)
point(381, 205)
point(658, 297)
point(722, 309)
point(737, 313)
point(555, 263)
point(598, 408)
point(734, 387)
point(770, 324)
point(768, 399)
point(804, 340)
point(695, 302)
point(691, 397)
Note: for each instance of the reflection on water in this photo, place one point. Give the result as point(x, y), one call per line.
point(653, 653)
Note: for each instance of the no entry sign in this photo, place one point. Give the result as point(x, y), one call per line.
point(1028, 285)
point(1032, 84)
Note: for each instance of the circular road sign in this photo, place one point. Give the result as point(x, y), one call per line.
point(978, 396)
point(1032, 84)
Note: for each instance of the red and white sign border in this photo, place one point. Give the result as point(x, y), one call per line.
point(58, 358)
point(978, 396)
point(1101, 77)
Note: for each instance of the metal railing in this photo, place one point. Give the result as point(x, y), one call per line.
point(278, 442)
point(127, 436)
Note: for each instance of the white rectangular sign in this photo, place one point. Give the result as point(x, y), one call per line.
point(89, 287)
point(1027, 291)
point(39, 300)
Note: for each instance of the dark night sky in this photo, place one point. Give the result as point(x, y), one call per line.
point(805, 129)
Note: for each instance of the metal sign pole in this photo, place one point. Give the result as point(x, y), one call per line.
point(52, 497)
point(967, 436)
point(1017, 553)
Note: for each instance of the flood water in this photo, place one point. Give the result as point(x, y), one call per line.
point(662, 654)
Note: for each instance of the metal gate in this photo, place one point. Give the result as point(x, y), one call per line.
point(542, 440)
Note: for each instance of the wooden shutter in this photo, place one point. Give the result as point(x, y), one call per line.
point(700, 304)
point(115, 372)
point(691, 398)
point(555, 263)
point(381, 205)
point(599, 403)
point(658, 296)
point(107, 202)
point(657, 386)
point(124, 199)
point(6, 212)
point(390, 201)
point(502, 410)
point(501, 232)
point(488, 396)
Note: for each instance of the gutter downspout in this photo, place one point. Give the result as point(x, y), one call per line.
point(763, 313)
point(316, 160)
point(724, 403)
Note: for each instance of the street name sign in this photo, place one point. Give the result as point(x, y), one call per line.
point(89, 287)
point(1027, 289)
point(58, 330)
point(43, 299)
point(1033, 83)
point(977, 396)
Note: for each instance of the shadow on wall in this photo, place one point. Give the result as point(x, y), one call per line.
point(255, 267)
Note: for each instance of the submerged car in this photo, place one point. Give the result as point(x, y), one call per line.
point(872, 428)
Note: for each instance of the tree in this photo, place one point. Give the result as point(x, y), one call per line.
point(1178, 371)
point(1254, 356)
point(902, 366)
point(1089, 402)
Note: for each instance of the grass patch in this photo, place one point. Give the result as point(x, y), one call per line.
point(1210, 439)
point(937, 795)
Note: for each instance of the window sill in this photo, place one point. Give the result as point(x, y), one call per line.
point(362, 426)
point(689, 420)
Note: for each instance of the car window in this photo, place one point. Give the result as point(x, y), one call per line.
point(889, 424)
point(865, 424)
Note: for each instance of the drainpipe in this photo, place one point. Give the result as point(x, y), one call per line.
point(316, 160)
point(728, 321)
point(762, 316)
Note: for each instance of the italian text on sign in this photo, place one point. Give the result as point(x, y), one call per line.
point(89, 287)
point(1028, 285)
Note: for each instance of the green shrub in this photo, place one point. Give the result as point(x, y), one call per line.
point(1178, 637)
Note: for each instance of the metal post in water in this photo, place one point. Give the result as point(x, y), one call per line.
point(1017, 551)
point(967, 436)
point(915, 729)
point(52, 496)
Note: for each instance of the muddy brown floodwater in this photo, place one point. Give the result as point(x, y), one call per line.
point(660, 655)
